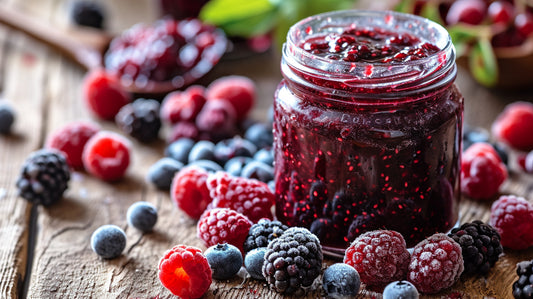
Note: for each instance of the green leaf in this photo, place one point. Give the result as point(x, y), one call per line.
point(463, 34)
point(483, 64)
point(430, 10)
point(406, 6)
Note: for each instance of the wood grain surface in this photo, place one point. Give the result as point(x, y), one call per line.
point(45, 252)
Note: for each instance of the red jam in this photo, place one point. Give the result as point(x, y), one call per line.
point(370, 142)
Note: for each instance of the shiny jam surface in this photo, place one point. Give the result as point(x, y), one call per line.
point(369, 159)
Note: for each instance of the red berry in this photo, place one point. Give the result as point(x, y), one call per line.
point(379, 256)
point(103, 94)
point(238, 90)
point(217, 120)
point(466, 11)
point(500, 12)
point(528, 162)
point(250, 197)
point(514, 126)
point(189, 191)
point(183, 129)
point(71, 138)
point(221, 225)
point(524, 24)
point(183, 105)
point(185, 272)
point(107, 155)
point(436, 264)
point(512, 217)
point(482, 171)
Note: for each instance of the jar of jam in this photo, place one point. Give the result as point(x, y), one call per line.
point(367, 127)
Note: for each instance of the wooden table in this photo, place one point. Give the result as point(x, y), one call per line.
point(45, 252)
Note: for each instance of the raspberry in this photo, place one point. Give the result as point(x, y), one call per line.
point(140, 120)
point(482, 171)
point(217, 120)
point(466, 11)
point(185, 272)
point(238, 90)
point(183, 129)
point(103, 94)
point(262, 233)
point(379, 256)
point(523, 287)
point(71, 139)
point(436, 264)
point(293, 261)
point(189, 191)
point(107, 155)
point(221, 225)
point(513, 218)
point(185, 105)
point(247, 196)
point(514, 126)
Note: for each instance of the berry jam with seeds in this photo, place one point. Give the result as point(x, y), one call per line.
point(367, 142)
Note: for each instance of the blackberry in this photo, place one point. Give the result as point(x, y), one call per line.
point(523, 287)
point(87, 13)
point(480, 244)
point(293, 261)
point(44, 177)
point(140, 119)
point(262, 233)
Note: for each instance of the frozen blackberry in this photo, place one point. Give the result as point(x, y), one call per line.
point(140, 119)
point(293, 261)
point(44, 177)
point(262, 233)
point(87, 13)
point(480, 244)
point(523, 287)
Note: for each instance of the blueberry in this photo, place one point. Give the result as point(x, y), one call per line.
point(473, 135)
point(179, 150)
point(272, 185)
point(87, 13)
point(400, 289)
point(265, 155)
point(253, 262)
point(7, 118)
point(108, 241)
point(341, 281)
point(162, 172)
point(208, 165)
point(270, 115)
point(142, 215)
point(259, 171)
point(202, 150)
point(225, 260)
point(502, 152)
point(260, 134)
point(235, 165)
point(233, 147)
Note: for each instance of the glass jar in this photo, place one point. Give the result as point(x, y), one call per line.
point(370, 141)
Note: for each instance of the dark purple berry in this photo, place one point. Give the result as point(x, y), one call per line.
point(179, 150)
point(87, 13)
point(208, 165)
point(259, 171)
point(162, 172)
point(7, 118)
point(235, 165)
point(233, 147)
point(202, 150)
point(140, 119)
point(260, 134)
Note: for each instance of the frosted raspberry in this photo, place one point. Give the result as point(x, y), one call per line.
point(71, 138)
point(512, 217)
point(185, 272)
point(107, 155)
point(250, 197)
point(189, 191)
point(221, 225)
point(238, 90)
point(379, 256)
point(436, 264)
point(103, 94)
point(183, 105)
point(482, 171)
point(514, 126)
point(217, 120)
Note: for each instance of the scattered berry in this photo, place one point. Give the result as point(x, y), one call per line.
point(108, 241)
point(253, 262)
point(207, 165)
point(401, 289)
point(523, 287)
point(189, 191)
point(436, 264)
point(179, 150)
point(7, 117)
point(474, 135)
point(260, 134)
point(103, 94)
point(247, 196)
point(140, 120)
point(216, 121)
point(514, 126)
point(235, 165)
point(265, 155)
point(341, 281)
point(480, 244)
point(44, 177)
point(202, 150)
point(500, 12)
point(233, 147)
point(379, 256)
point(87, 13)
point(262, 233)
point(225, 260)
point(513, 218)
point(466, 11)
point(162, 172)
point(181, 106)
point(107, 155)
point(293, 261)
point(220, 225)
point(238, 90)
point(259, 171)
point(482, 171)
point(523, 23)
point(142, 215)
point(185, 272)
point(71, 139)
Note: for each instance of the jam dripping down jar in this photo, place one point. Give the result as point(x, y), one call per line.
point(367, 127)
